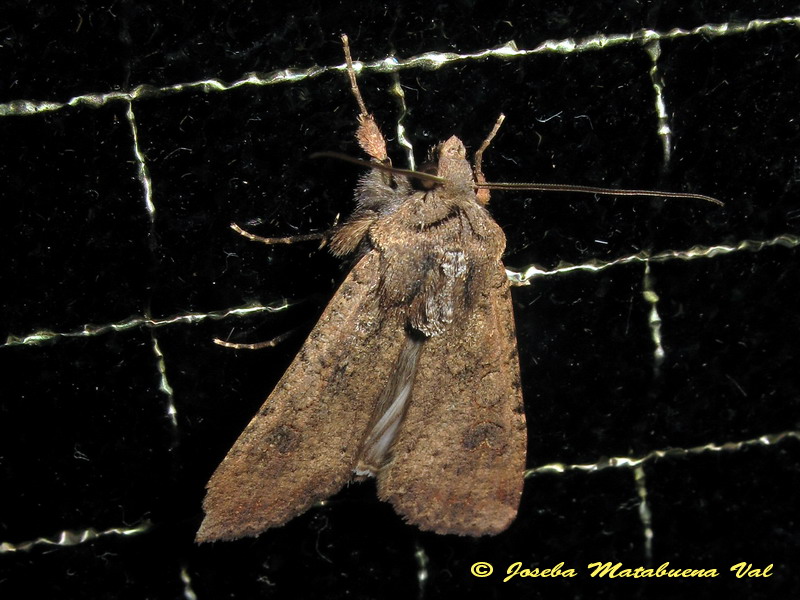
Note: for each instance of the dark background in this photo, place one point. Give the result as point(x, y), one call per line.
point(108, 434)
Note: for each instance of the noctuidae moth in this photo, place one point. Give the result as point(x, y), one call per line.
point(419, 339)
point(411, 375)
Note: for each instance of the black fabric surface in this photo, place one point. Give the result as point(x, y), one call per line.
point(89, 443)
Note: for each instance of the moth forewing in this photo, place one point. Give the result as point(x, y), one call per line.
point(457, 463)
point(301, 446)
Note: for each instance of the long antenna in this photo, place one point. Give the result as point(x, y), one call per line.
point(587, 189)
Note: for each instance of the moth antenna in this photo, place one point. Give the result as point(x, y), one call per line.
point(586, 189)
point(380, 166)
point(483, 192)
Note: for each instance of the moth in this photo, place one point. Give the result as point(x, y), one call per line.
point(410, 376)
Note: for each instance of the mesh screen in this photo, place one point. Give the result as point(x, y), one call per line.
point(657, 338)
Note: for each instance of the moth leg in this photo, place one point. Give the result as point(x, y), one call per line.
point(368, 135)
point(351, 73)
point(256, 346)
point(289, 239)
point(483, 193)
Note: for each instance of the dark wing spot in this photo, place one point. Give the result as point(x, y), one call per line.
point(486, 436)
point(284, 439)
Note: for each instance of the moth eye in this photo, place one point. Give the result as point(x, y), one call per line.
point(423, 185)
point(431, 168)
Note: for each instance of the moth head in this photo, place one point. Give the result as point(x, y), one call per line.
point(452, 165)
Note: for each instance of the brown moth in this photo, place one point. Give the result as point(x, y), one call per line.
point(411, 374)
